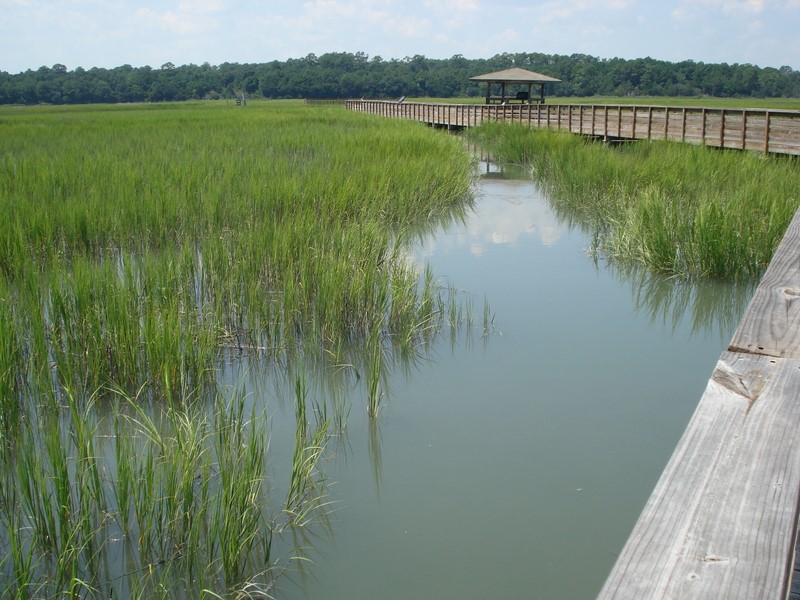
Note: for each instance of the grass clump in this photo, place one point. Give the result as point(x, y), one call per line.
point(678, 209)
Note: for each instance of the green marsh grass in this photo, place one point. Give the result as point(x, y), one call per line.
point(140, 243)
point(678, 209)
point(142, 248)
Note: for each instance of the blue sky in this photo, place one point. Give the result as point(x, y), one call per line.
point(102, 33)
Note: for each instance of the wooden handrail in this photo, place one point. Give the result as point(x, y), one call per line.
point(721, 522)
point(765, 130)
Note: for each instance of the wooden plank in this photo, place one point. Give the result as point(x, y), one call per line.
point(771, 325)
point(721, 521)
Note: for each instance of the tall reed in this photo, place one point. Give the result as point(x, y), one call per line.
point(163, 235)
point(142, 248)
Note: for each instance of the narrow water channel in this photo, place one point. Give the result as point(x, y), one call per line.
point(514, 465)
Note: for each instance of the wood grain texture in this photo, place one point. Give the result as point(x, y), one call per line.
point(771, 324)
point(721, 521)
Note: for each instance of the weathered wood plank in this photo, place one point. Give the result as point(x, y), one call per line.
point(771, 324)
point(721, 521)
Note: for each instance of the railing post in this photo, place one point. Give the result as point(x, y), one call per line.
point(666, 122)
point(722, 128)
point(703, 128)
point(649, 121)
point(766, 132)
point(683, 125)
point(744, 129)
point(633, 130)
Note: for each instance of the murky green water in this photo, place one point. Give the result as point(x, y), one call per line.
point(515, 465)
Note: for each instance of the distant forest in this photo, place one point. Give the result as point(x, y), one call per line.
point(347, 75)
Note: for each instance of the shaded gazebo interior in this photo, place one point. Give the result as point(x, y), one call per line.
point(509, 86)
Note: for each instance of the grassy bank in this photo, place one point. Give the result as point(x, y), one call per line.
point(677, 209)
point(142, 248)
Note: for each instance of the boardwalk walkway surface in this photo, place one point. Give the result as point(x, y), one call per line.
point(722, 521)
point(776, 131)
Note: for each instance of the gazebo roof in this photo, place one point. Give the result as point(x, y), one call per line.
point(515, 75)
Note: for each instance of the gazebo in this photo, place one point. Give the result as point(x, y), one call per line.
point(514, 77)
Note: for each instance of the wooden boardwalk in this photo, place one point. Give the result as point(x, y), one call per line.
point(776, 131)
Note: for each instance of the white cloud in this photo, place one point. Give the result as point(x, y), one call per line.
point(509, 34)
point(679, 14)
point(407, 26)
point(329, 9)
point(555, 11)
point(191, 17)
point(730, 7)
point(202, 6)
point(451, 6)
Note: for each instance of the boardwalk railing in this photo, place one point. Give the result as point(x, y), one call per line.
point(776, 131)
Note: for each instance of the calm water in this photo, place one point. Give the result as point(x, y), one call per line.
point(514, 466)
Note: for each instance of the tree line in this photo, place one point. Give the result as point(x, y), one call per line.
point(356, 75)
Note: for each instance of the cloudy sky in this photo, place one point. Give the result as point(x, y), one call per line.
point(109, 33)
